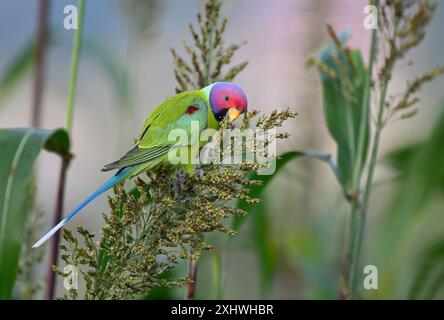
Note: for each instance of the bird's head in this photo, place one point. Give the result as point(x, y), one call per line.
point(226, 100)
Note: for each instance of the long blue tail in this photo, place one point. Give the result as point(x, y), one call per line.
point(120, 175)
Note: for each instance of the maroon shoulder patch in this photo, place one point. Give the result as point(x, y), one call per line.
point(192, 109)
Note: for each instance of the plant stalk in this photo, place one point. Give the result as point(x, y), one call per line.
point(192, 274)
point(51, 276)
point(72, 87)
point(39, 62)
point(351, 257)
point(51, 281)
point(361, 209)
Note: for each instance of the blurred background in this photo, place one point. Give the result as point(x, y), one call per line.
point(126, 69)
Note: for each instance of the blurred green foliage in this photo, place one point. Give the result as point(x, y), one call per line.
point(19, 150)
point(261, 216)
point(16, 69)
point(343, 89)
point(409, 226)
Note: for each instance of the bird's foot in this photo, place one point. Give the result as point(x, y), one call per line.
point(179, 183)
point(200, 172)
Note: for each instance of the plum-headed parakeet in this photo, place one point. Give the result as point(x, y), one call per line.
point(207, 106)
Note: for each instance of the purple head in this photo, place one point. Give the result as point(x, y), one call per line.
point(227, 99)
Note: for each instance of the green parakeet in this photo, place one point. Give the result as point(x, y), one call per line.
point(205, 108)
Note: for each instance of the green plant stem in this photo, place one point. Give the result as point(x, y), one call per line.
point(361, 210)
point(75, 55)
point(50, 280)
point(349, 270)
point(357, 217)
point(366, 106)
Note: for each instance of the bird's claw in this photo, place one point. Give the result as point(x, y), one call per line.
point(200, 172)
point(179, 183)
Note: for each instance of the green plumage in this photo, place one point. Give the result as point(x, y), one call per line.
point(152, 146)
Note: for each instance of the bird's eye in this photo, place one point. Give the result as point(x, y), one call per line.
point(227, 98)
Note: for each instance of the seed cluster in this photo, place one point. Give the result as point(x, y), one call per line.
point(161, 223)
point(209, 56)
point(403, 27)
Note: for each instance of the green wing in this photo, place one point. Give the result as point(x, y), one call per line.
point(153, 141)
